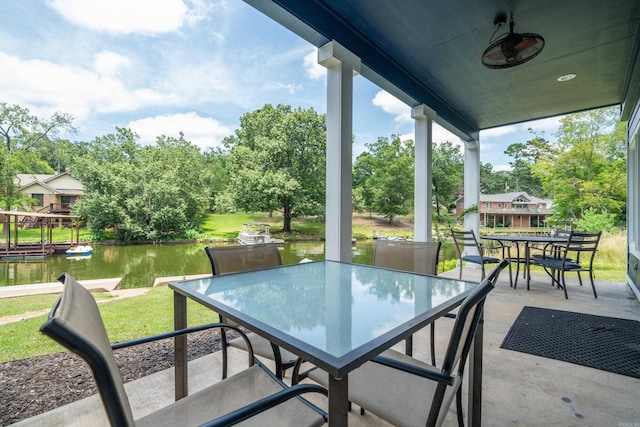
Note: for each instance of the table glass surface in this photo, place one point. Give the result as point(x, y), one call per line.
point(332, 306)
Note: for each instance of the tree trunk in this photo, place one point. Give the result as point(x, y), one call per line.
point(287, 218)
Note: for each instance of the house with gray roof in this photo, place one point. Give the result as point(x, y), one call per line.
point(515, 209)
point(54, 193)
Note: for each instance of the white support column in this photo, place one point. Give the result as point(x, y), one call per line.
point(472, 184)
point(341, 67)
point(422, 199)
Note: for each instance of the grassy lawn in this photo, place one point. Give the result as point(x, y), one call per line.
point(125, 319)
point(59, 234)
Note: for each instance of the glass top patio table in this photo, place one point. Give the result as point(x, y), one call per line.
point(332, 313)
point(527, 240)
point(335, 315)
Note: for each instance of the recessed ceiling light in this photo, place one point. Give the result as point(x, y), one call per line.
point(566, 77)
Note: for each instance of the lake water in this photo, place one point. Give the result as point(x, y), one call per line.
point(140, 265)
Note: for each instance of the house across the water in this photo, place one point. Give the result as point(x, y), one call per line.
point(54, 194)
point(515, 209)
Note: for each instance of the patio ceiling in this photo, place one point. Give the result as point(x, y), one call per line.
point(428, 52)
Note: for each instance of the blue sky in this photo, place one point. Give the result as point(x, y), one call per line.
point(165, 66)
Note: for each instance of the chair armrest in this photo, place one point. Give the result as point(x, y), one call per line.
point(172, 334)
point(412, 369)
point(262, 405)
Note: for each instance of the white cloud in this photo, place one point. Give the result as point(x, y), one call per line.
point(108, 63)
point(542, 125)
point(500, 168)
point(312, 68)
point(392, 105)
point(204, 132)
point(441, 135)
point(289, 87)
point(127, 16)
point(498, 132)
point(46, 87)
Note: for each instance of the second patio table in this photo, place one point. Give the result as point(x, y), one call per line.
point(527, 240)
point(335, 315)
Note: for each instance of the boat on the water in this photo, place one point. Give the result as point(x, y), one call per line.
point(254, 233)
point(81, 250)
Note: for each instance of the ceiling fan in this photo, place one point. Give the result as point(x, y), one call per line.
point(511, 49)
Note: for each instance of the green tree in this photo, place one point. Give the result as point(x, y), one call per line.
point(524, 157)
point(447, 172)
point(492, 182)
point(142, 193)
point(586, 167)
point(22, 130)
point(389, 176)
point(218, 174)
point(593, 221)
point(363, 170)
point(20, 133)
point(277, 162)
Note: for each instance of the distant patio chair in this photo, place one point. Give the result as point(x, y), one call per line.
point(75, 323)
point(584, 246)
point(407, 392)
point(469, 249)
point(233, 259)
point(417, 257)
point(552, 250)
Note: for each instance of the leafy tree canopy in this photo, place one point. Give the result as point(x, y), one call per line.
point(277, 162)
point(384, 176)
point(142, 193)
point(21, 130)
point(447, 175)
point(586, 167)
point(21, 135)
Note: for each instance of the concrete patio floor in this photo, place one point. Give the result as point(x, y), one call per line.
point(518, 389)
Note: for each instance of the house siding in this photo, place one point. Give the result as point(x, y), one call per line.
point(58, 192)
point(499, 210)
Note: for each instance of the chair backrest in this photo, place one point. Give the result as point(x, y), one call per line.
point(417, 257)
point(581, 242)
point(75, 323)
point(560, 233)
point(466, 322)
point(231, 259)
point(465, 239)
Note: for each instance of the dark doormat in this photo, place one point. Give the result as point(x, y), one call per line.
point(600, 342)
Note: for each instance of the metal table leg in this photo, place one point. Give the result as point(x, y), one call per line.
point(338, 401)
point(180, 346)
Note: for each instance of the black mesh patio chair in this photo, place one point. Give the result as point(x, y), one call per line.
point(407, 392)
point(552, 250)
point(254, 395)
point(583, 247)
point(469, 249)
point(417, 257)
point(233, 259)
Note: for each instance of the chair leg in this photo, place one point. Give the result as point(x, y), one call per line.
point(593, 285)
point(459, 407)
point(564, 285)
point(277, 358)
point(579, 278)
